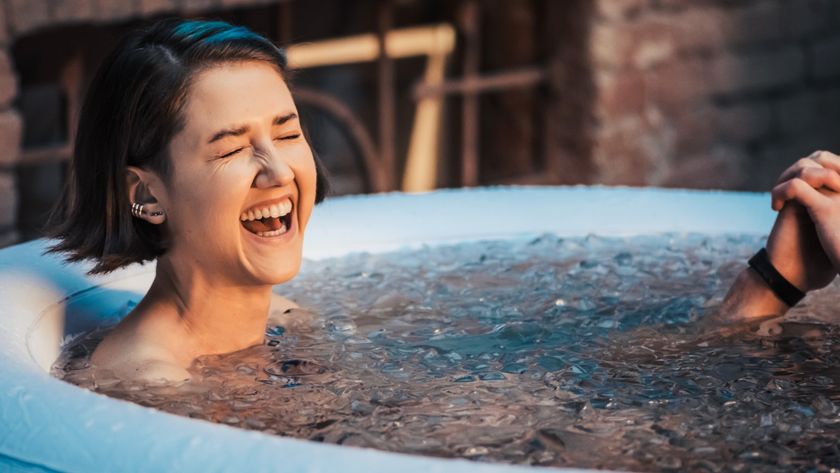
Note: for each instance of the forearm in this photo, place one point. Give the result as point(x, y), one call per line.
point(750, 298)
point(796, 253)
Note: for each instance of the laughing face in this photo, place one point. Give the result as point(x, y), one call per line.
point(243, 182)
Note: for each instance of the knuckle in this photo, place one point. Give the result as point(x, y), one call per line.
point(797, 184)
point(805, 163)
point(816, 154)
point(812, 173)
point(825, 157)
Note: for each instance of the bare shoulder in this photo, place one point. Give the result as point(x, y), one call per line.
point(280, 304)
point(278, 312)
point(128, 359)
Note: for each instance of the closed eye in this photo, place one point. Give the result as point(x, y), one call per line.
point(237, 150)
point(227, 155)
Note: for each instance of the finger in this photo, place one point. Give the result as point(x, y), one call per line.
point(826, 159)
point(821, 178)
point(817, 177)
point(819, 158)
point(797, 190)
point(825, 178)
point(796, 168)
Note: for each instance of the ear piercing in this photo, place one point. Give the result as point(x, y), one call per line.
point(137, 210)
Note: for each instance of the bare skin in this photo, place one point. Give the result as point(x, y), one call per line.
point(804, 244)
point(212, 289)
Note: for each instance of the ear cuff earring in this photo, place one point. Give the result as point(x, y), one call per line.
point(137, 210)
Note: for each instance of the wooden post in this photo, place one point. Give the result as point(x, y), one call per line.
point(546, 95)
point(469, 19)
point(284, 23)
point(387, 112)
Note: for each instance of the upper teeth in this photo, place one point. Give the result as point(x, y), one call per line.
point(276, 210)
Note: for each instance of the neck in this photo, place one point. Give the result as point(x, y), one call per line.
point(206, 316)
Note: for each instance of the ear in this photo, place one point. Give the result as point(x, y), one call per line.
point(143, 188)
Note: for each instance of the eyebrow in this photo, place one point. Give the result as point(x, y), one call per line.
point(239, 131)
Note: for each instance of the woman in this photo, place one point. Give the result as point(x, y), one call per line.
point(190, 151)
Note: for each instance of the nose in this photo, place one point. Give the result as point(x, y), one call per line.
point(274, 170)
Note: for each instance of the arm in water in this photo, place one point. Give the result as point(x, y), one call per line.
point(804, 244)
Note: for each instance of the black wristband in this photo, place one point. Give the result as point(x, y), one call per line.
point(784, 290)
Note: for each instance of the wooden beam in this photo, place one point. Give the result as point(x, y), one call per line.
point(525, 77)
point(401, 43)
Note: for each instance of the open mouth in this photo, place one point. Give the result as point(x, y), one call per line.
point(268, 220)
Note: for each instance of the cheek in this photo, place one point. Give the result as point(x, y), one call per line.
point(306, 179)
point(199, 204)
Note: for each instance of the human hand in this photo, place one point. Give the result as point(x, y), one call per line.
point(795, 246)
point(819, 171)
point(813, 185)
point(795, 249)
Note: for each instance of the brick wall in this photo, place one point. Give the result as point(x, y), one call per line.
point(10, 133)
point(713, 93)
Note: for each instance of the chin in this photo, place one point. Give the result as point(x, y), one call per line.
point(280, 273)
point(274, 261)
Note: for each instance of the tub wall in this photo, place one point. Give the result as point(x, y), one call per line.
point(51, 425)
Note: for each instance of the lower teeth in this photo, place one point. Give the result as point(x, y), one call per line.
point(272, 233)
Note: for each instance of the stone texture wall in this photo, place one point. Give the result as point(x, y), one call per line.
point(713, 93)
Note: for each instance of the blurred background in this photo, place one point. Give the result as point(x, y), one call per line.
point(422, 94)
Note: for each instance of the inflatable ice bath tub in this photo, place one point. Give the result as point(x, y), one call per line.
point(49, 425)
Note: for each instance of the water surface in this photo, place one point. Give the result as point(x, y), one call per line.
point(588, 352)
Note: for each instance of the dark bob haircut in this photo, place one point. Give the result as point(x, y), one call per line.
point(133, 109)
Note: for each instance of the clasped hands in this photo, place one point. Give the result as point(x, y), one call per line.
point(804, 244)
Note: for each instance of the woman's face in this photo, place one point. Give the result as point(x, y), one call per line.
point(243, 181)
